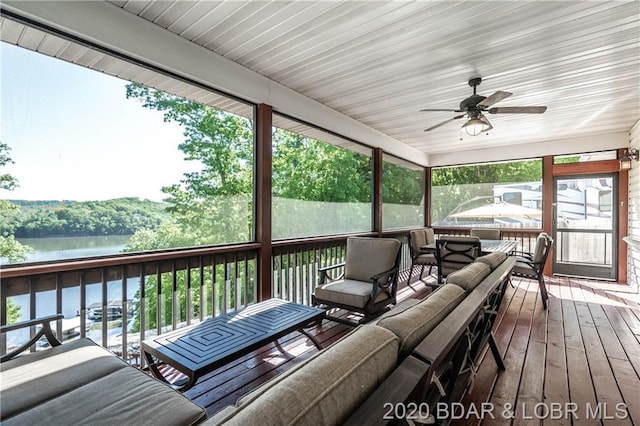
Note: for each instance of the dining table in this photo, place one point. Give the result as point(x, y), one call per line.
point(486, 246)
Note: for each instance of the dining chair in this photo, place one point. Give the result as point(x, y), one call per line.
point(531, 265)
point(417, 239)
point(486, 233)
point(453, 253)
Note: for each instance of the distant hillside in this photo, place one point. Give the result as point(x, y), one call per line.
point(49, 218)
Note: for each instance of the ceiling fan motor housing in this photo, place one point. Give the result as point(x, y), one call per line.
point(471, 102)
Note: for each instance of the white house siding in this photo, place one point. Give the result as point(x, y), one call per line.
point(633, 272)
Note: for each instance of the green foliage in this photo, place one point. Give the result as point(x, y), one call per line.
point(309, 170)
point(10, 249)
point(7, 181)
point(122, 216)
point(215, 204)
point(13, 312)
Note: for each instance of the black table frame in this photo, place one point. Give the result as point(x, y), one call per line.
point(199, 349)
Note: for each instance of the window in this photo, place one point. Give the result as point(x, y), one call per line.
point(104, 165)
point(402, 193)
point(321, 182)
point(505, 195)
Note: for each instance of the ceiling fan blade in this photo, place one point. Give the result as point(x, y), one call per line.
point(446, 110)
point(444, 122)
point(496, 97)
point(518, 110)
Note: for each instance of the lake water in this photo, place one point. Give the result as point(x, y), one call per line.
point(73, 247)
point(68, 248)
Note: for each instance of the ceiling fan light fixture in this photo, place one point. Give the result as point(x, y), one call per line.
point(475, 126)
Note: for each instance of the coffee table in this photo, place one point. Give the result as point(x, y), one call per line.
point(199, 349)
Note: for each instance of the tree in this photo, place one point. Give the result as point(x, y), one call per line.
point(10, 249)
point(214, 204)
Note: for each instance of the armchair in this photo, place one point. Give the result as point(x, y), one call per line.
point(454, 253)
point(368, 283)
point(417, 239)
point(531, 265)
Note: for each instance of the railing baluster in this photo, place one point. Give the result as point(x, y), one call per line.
point(188, 292)
point(174, 296)
point(58, 305)
point(32, 309)
point(125, 314)
point(203, 300)
point(104, 307)
point(159, 296)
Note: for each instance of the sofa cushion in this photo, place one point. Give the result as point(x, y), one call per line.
point(32, 379)
point(368, 256)
point(326, 388)
point(125, 397)
point(413, 324)
point(348, 292)
point(470, 276)
point(493, 259)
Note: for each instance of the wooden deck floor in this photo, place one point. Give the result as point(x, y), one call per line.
point(580, 356)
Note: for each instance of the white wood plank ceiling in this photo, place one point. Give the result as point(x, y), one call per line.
point(380, 62)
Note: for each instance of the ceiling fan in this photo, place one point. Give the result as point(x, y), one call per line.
point(475, 106)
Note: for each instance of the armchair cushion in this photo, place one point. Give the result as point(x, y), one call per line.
point(367, 257)
point(412, 325)
point(469, 277)
point(348, 292)
point(494, 259)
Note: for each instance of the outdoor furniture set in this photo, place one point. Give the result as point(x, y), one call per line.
point(424, 350)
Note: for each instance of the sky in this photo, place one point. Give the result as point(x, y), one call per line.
point(74, 135)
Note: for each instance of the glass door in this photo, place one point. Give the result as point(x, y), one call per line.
point(585, 226)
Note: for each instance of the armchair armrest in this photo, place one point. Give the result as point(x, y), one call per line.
point(324, 272)
point(388, 273)
point(44, 331)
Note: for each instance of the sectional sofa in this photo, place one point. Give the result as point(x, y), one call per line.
point(421, 351)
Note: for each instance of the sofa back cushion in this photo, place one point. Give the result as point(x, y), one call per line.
point(413, 324)
point(326, 388)
point(493, 259)
point(368, 256)
point(470, 276)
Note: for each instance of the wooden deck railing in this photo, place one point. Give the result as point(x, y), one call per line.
point(126, 298)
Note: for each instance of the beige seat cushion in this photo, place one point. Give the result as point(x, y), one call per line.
point(34, 378)
point(413, 324)
point(470, 276)
point(82, 383)
point(125, 397)
point(348, 292)
point(326, 388)
point(493, 259)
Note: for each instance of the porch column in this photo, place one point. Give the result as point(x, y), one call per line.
point(377, 191)
point(547, 205)
point(427, 197)
point(263, 172)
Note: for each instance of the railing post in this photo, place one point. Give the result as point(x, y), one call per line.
point(263, 170)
